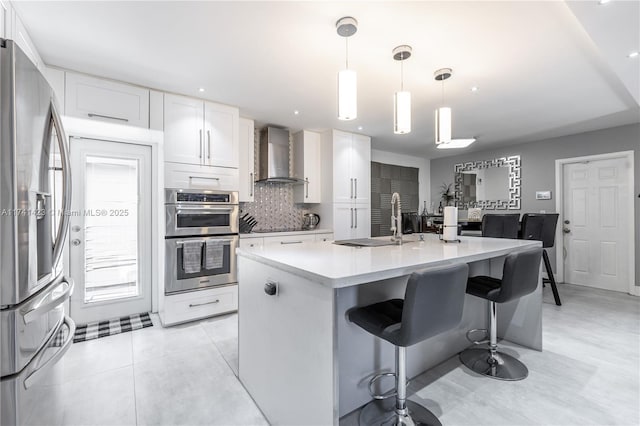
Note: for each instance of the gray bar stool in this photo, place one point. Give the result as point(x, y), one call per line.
point(500, 225)
point(519, 278)
point(433, 304)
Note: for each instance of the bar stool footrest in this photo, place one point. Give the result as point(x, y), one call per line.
point(477, 330)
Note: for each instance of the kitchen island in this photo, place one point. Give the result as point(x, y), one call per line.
point(300, 358)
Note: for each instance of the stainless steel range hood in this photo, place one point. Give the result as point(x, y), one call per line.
point(274, 155)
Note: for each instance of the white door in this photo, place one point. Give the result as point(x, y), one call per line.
point(596, 223)
point(221, 138)
point(183, 130)
point(110, 233)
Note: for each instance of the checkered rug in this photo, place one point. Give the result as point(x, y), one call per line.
point(95, 330)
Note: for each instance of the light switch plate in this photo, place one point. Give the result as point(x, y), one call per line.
point(543, 195)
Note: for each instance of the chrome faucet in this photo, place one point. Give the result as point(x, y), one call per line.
point(396, 219)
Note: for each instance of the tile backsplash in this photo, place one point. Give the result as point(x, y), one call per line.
point(273, 207)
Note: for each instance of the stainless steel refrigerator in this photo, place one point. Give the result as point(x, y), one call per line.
point(35, 191)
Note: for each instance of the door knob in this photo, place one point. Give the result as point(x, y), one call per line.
point(566, 230)
point(76, 242)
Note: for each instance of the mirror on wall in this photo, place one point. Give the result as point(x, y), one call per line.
point(489, 184)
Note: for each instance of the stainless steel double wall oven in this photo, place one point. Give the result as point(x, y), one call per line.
point(200, 216)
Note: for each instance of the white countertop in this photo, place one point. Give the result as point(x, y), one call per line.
point(285, 233)
point(341, 266)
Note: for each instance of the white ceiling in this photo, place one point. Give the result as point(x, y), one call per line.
point(543, 69)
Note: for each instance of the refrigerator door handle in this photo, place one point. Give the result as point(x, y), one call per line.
point(32, 314)
point(35, 376)
point(66, 184)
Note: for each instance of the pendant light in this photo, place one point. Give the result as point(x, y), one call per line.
point(402, 99)
point(347, 79)
point(443, 114)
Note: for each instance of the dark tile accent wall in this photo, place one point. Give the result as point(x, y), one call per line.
point(385, 180)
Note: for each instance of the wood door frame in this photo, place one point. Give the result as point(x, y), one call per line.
point(560, 163)
point(81, 128)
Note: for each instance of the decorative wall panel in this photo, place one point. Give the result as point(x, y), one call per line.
point(385, 180)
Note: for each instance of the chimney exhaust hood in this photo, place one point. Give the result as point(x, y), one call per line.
point(273, 156)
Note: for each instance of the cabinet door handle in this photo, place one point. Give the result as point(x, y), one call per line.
point(290, 242)
point(193, 305)
point(251, 184)
point(355, 184)
point(351, 218)
point(200, 153)
point(306, 183)
point(91, 115)
point(208, 143)
point(356, 216)
point(351, 196)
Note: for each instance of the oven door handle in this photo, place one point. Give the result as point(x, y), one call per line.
point(204, 241)
point(205, 210)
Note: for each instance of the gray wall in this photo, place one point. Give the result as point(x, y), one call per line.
point(538, 167)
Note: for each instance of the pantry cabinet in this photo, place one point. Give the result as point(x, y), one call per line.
point(351, 221)
point(200, 133)
point(351, 167)
point(346, 196)
point(247, 160)
point(105, 100)
point(307, 167)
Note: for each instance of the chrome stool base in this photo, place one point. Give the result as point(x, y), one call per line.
point(383, 412)
point(506, 367)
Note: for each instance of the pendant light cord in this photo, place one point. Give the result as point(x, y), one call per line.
point(346, 39)
point(402, 72)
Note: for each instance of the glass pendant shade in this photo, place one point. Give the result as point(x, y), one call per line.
point(443, 125)
point(402, 113)
point(347, 95)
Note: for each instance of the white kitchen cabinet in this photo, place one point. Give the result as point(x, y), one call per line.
point(289, 239)
point(307, 166)
point(188, 176)
point(183, 129)
point(351, 167)
point(22, 39)
point(351, 221)
point(200, 133)
point(104, 100)
point(221, 131)
point(324, 237)
point(5, 19)
point(252, 242)
point(193, 305)
point(247, 160)
point(55, 77)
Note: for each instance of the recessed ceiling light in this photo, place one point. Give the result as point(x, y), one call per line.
point(296, 112)
point(633, 54)
point(604, 1)
point(359, 127)
point(201, 89)
point(474, 89)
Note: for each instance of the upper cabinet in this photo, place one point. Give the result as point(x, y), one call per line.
point(200, 133)
point(104, 100)
point(307, 166)
point(247, 160)
point(351, 167)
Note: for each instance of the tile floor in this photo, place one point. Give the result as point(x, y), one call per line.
point(588, 374)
